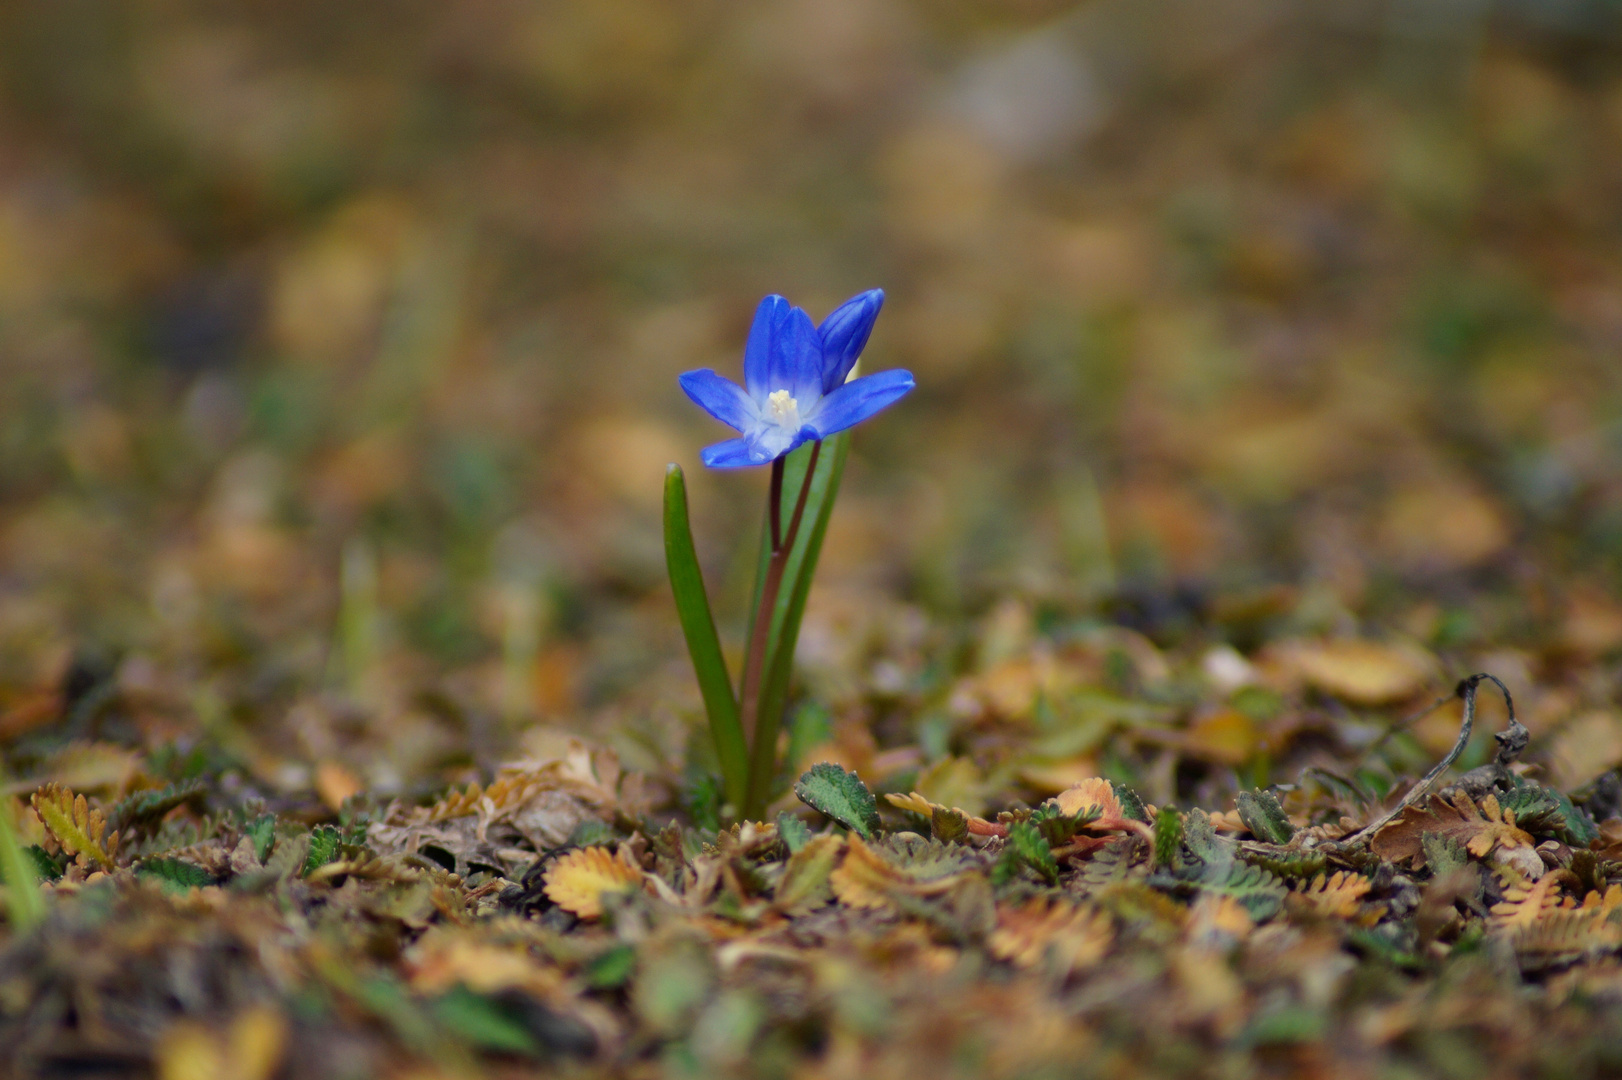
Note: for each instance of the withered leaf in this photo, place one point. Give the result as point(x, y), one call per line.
point(1479, 828)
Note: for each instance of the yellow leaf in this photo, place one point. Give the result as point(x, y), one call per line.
point(914, 802)
point(80, 830)
point(1362, 672)
point(1337, 896)
point(864, 879)
point(578, 881)
point(1094, 793)
point(1526, 904)
point(1227, 736)
point(804, 884)
point(1055, 932)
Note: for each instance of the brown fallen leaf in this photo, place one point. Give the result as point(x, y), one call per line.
point(1479, 828)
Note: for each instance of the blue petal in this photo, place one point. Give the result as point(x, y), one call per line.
point(732, 454)
point(844, 335)
point(796, 357)
point(763, 336)
point(856, 401)
point(721, 398)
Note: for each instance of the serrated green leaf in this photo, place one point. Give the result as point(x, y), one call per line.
point(794, 833)
point(1443, 854)
point(703, 644)
point(145, 807)
point(1028, 844)
point(174, 875)
point(804, 884)
point(1132, 807)
point(262, 831)
point(1200, 836)
point(45, 866)
point(948, 825)
point(325, 842)
point(1264, 817)
point(841, 795)
point(1257, 890)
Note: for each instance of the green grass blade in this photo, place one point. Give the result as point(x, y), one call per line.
point(785, 635)
point(25, 907)
point(698, 626)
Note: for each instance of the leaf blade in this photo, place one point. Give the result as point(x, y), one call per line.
point(841, 795)
point(703, 644)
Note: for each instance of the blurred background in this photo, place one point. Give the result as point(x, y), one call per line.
point(338, 348)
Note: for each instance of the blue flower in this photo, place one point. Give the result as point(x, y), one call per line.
point(795, 387)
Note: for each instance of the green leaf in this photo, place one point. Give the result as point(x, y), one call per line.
point(612, 969)
point(804, 884)
point(1027, 843)
point(145, 807)
point(948, 825)
point(25, 907)
point(1264, 817)
point(1443, 854)
point(1200, 836)
point(483, 1022)
point(1168, 837)
point(1256, 890)
point(841, 795)
point(174, 875)
point(784, 632)
point(1131, 806)
point(703, 645)
point(701, 798)
point(794, 833)
point(262, 831)
point(46, 867)
point(325, 842)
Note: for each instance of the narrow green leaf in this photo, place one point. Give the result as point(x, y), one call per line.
point(25, 907)
point(785, 634)
point(841, 795)
point(698, 626)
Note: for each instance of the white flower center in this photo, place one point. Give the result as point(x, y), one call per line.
point(783, 409)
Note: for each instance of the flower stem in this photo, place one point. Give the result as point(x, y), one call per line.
point(763, 730)
point(775, 506)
